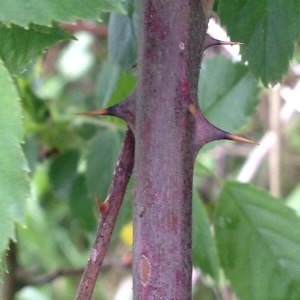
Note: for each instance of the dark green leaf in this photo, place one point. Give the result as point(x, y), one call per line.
point(14, 184)
point(62, 172)
point(81, 205)
point(269, 30)
point(122, 40)
point(107, 82)
point(258, 240)
point(204, 248)
point(227, 93)
point(20, 46)
point(43, 12)
point(101, 161)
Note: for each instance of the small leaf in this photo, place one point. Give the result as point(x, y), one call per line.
point(44, 12)
point(269, 30)
point(101, 161)
point(204, 247)
point(14, 183)
point(227, 93)
point(258, 240)
point(20, 46)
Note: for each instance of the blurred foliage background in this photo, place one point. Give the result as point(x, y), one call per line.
point(71, 157)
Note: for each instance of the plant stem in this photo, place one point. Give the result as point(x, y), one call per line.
point(109, 215)
point(171, 43)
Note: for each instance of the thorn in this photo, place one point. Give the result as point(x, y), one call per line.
point(210, 42)
point(102, 206)
point(97, 112)
point(193, 110)
point(237, 138)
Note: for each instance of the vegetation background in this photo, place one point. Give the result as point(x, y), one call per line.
point(54, 162)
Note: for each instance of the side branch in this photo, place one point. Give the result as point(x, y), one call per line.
point(122, 173)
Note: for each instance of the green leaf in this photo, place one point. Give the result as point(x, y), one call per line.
point(101, 161)
point(227, 93)
point(203, 247)
point(122, 40)
point(20, 46)
point(43, 12)
point(113, 85)
point(258, 240)
point(62, 172)
point(107, 82)
point(14, 184)
point(269, 30)
point(293, 199)
point(81, 205)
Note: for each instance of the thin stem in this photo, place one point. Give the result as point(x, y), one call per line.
point(112, 204)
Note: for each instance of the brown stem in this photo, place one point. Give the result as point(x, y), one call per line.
point(11, 283)
point(113, 203)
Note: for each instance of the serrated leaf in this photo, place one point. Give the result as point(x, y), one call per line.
point(14, 183)
point(269, 30)
point(227, 93)
point(203, 246)
point(19, 46)
point(101, 161)
point(44, 12)
point(258, 241)
point(81, 205)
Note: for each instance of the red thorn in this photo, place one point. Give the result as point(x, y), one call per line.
point(210, 42)
point(102, 206)
point(237, 138)
point(97, 112)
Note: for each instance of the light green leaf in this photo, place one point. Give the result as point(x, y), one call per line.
point(293, 199)
point(227, 93)
point(101, 161)
point(269, 30)
point(14, 184)
point(204, 247)
point(19, 46)
point(258, 241)
point(44, 12)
